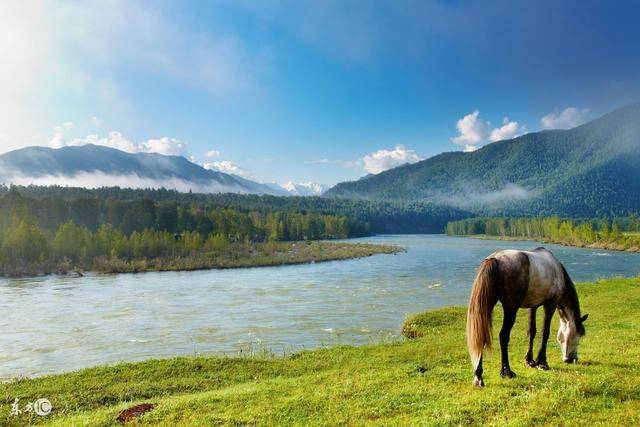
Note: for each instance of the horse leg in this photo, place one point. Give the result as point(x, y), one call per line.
point(477, 379)
point(528, 358)
point(549, 309)
point(505, 332)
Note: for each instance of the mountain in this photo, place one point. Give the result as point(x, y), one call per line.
point(590, 170)
point(98, 166)
point(304, 188)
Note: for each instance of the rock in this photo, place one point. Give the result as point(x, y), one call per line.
point(134, 412)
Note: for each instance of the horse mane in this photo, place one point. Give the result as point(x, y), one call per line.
point(571, 297)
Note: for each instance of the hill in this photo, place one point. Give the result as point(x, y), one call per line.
point(591, 170)
point(98, 166)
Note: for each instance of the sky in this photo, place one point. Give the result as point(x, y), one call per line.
point(322, 91)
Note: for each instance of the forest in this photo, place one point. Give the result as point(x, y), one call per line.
point(621, 233)
point(59, 204)
point(58, 234)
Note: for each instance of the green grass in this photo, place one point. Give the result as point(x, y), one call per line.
point(422, 381)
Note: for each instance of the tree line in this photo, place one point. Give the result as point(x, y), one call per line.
point(62, 232)
point(63, 203)
point(621, 233)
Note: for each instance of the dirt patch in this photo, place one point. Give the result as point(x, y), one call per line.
point(134, 412)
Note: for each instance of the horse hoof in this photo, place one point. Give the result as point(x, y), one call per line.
point(478, 382)
point(543, 366)
point(507, 373)
point(531, 363)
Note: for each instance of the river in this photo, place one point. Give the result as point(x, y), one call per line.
point(56, 324)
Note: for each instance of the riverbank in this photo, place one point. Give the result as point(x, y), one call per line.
point(606, 245)
point(238, 255)
point(426, 380)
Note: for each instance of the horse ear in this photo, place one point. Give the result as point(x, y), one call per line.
point(583, 318)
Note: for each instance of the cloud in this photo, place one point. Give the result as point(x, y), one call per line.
point(317, 162)
point(568, 118)
point(475, 132)
point(101, 179)
point(508, 130)
point(165, 145)
point(96, 121)
point(115, 33)
point(384, 159)
point(472, 130)
point(228, 166)
point(58, 139)
point(212, 154)
point(471, 195)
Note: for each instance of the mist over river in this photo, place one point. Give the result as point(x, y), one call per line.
point(55, 324)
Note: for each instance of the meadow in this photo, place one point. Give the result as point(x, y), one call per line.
point(425, 379)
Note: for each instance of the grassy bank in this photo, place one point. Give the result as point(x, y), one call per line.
point(601, 244)
point(234, 255)
point(619, 234)
point(425, 380)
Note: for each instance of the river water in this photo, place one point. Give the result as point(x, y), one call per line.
point(55, 324)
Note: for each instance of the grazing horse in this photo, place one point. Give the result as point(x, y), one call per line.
point(527, 279)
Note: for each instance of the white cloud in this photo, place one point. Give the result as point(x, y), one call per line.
point(212, 154)
point(568, 118)
point(165, 145)
point(100, 179)
point(96, 121)
point(475, 132)
point(384, 159)
point(508, 130)
point(228, 166)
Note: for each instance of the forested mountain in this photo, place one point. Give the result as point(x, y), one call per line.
point(96, 166)
point(589, 171)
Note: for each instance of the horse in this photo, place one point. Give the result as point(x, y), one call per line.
point(527, 279)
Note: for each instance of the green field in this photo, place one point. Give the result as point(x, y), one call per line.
point(423, 381)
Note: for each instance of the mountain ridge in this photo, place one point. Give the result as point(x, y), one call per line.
point(100, 166)
point(533, 172)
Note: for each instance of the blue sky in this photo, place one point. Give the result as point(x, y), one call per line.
point(309, 91)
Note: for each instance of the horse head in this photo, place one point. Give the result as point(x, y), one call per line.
point(569, 336)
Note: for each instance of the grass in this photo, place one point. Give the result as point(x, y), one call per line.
point(628, 242)
point(234, 255)
point(244, 255)
point(420, 381)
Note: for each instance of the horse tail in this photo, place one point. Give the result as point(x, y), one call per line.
point(483, 298)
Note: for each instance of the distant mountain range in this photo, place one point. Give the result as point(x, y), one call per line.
point(98, 166)
point(591, 170)
point(305, 188)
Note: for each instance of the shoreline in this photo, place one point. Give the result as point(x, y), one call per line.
point(272, 254)
point(609, 246)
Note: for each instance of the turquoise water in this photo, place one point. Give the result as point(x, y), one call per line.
point(56, 324)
